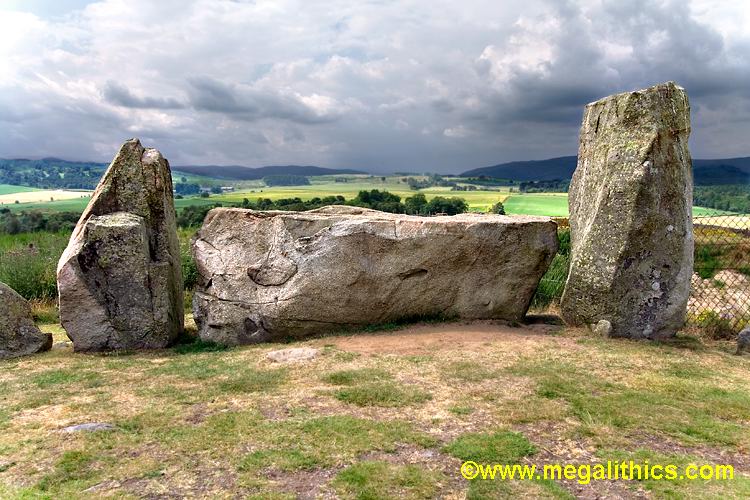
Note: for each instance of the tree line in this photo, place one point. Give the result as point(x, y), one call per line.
point(732, 198)
point(191, 216)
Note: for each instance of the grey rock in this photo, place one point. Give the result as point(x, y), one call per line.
point(603, 328)
point(630, 215)
point(274, 275)
point(19, 336)
point(743, 341)
point(65, 344)
point(89, 427)
point(293, 355)
point(120, 278)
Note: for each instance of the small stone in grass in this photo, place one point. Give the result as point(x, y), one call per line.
point(90, 427)
point(293, 355)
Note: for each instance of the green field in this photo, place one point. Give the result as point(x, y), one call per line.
point(550, 204)
point(479, 201)
point(556, 205)
point(9, 189)
point(546, 204)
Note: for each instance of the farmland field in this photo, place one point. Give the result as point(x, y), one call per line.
point(556, 205)
point(9, 189)
point(25, 196)
point(480, 200)
point(545, 204)
point(550, 204)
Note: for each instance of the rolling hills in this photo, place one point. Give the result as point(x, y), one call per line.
point(706, 172)
point(240, 173)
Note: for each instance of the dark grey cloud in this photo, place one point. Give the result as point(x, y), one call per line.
point(121, 96)
point(245, 103)
point(388, 85)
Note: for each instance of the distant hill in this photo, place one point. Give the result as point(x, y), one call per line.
point(719, 174)
point(534, 170)
point(54, 173)
point(706, 172)
point(239, 173)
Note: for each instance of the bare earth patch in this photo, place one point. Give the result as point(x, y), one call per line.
point(430, 338)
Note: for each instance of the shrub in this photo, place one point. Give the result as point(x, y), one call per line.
point(716, 326)
point(28, 263)
point(498, 208)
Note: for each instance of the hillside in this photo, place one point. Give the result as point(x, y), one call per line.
point(533, 170)
point(240, 173)
point(706, 172)
point(54, 173)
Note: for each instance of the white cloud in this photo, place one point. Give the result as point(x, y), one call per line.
point(382, 85)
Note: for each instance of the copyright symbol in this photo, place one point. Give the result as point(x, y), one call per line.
point(469, 470)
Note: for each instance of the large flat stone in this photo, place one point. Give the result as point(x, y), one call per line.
point(273, 275)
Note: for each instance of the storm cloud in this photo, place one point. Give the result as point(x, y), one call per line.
point(394, 85)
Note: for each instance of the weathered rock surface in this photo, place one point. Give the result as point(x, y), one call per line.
point(630, 215)
point(19, 336)
point(272, 275)
point(89, 427)
point(292, 355)
point(120, 278)
point(743, 340)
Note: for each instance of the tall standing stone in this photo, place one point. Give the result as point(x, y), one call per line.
point(630, 215)
point(120, 278)
point(19, 336)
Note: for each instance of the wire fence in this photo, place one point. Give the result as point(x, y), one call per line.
point(720, 294)
point(719, 302)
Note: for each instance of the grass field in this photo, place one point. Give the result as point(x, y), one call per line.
point(550, 204)
point(43, 196)
point(547, 204)
point(384, 415)
point(9, 189)
point(320, 187)
point(556, 205)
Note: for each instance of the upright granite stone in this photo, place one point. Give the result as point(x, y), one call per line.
point(120, 278)
point(273, 275)
point(19, 336)
point(630, 215)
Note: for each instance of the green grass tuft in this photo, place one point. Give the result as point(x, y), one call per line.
point(352, 377)
point(375, 480)
point(382, 394)
point(502, 447)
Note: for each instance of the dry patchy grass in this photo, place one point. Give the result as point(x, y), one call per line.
point(373, 416)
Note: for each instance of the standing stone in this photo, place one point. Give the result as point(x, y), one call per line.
point(273, 275)
point(120, 278)
point(19, 336)
point(630, 215)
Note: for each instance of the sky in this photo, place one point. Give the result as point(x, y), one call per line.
point(434, 85)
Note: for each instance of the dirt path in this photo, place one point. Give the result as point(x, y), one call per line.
point(465, 336)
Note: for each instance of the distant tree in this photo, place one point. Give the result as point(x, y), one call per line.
point(186, 189)
point(286, 180)
point(448, 206)
point(498, 208)
point(215, 189)
point(205, 194)
point(416, 204)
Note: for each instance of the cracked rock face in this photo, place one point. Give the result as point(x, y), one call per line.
point(19, 336)
point(120, 278)
point(273, 275)
point(630, 215)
